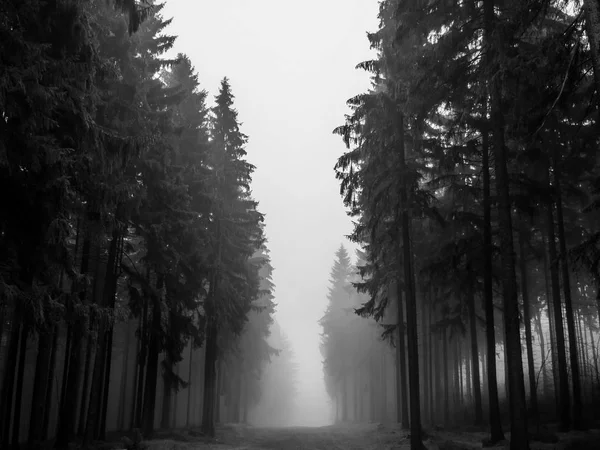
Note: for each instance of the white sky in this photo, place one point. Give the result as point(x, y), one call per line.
point(291, 67)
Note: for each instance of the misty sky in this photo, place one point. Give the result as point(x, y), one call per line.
point(291, 67)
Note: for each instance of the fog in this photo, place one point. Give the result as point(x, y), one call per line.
point(291, 66)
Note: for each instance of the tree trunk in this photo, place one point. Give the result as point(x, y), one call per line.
point(566, 278)
point(86, 383)
point(16, 431)
point(496, 433)
point(563, 387)
point(383, 378)
point(141, 366)
point(416, 441)
point(103, 301)
point(152, 368)
point(49, 391)
point(446, 380)
point(540, 332)
point(68, 408)
point(401, 388)
point(518, 417)
point(527, 322)
point(124, 375)
point(431, 355)
point(190, 386)
point(6, 411)
point(208, 409)
point(40, 386)
point(475, 359)
point(426, 370)
point(115, 266)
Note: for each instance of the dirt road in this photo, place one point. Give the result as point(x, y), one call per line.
point(339, 437)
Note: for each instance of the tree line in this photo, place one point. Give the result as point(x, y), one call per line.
point(473, 179)
point(135, 277)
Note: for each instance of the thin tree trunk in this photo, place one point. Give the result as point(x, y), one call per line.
point(527, 323)
point(496, 433)
point(563, 387)
point(416, 441)
point(16, 431)
point(446, 379)
point(431, 355)
point(425, 373)
point(86, 382)
point(475, 359)
point(540, 332)
point(124, 375)
point(190, 387)
point(115, 266)
point(208, 410)
point(143, 356)
point(518, 417)
point(550, 314)
point(6, 411)
point(68, 408)
point(152, 368)
point(49, 392)
point(104, 300)
point(401, 388)
point(566, 278)
point(40, 386)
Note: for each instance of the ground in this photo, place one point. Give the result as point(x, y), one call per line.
point(351, 437)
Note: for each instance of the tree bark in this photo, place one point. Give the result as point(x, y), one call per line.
point(496, 433)
point(41, 384)
point(401, 388)
point(475, 359)
point(16, 429)
point(49, 391)
point(563, 380)
point(190, 387)
point(566, 278)
point(446, 379)
point(540, 332)
point(527, 322)
point(68, 408)
point(152, 367)
point(6, 411)
point(208, 410)
point(518, 417)
point(104, 300)
point(416, 441)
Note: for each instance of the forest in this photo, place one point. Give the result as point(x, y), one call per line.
point(472, 176)
point(136, 286)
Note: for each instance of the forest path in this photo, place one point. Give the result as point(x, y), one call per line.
point(356, 437)
point(350, 437)
point(338, 437)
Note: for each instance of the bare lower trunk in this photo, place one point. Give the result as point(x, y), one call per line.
point(527, 323)
point(210, 381)
point(6, 412)
point(518, 417)
point(401, 388)
point(496, 433)
point(475, 359)
point(40, 387)
point(563, 380)
point(566, 279)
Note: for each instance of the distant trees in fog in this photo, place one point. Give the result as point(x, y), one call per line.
point(472, 177)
